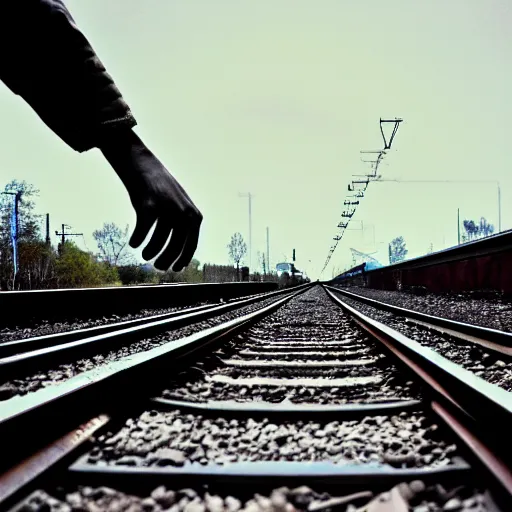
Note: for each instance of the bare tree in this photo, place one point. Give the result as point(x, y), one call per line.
point(237, 249)
point(112, 242)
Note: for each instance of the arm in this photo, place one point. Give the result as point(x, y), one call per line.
point(49, 63)
point(52, 66)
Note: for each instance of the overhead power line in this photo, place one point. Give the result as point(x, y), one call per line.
point(359, 186)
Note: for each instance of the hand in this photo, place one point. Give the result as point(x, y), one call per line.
point(156, 197)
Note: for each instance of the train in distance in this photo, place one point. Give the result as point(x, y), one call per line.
point(290, 271)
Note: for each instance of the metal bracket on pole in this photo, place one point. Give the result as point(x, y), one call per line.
point(63, 234)
point(348, 213)
point(396, 121)
point(374, 163)
point(360, 186)
point(351, 188)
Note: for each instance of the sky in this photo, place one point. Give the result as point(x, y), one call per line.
point(278, 98)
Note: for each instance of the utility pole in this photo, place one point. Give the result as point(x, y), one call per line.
point(63, 234)
point(499, 208)
point(458, 225)
point(268, 253)
point(250, 196)
point(48, 242)
point(15, 230)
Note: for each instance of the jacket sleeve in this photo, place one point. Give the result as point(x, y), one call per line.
point(47, 61)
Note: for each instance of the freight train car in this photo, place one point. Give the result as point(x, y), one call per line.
point(356, 276)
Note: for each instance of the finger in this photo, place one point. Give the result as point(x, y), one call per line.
point(157, 242)
point(173, 249)
point(189, 249)
point(144, 223)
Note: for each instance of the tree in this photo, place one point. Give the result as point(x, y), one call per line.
point(112, 242)
point(397, 250)
point(485, 229)
point(28, 221)
point(471, 229)
point(76, 268)
point(474, 230)
point(29, 238)
point(37, 261)
point(191, 273)
point(237, 249)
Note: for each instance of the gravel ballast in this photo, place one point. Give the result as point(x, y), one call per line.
point(493, 311)
point(174, 439)
point(306, 352)
point(490, 366)
point(44, 328)
point(414, 496)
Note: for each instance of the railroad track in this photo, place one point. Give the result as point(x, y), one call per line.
point(300, 403)
point(38, 382)
point(486, 352)
point(38, 311)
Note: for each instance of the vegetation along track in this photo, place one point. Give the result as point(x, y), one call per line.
point(297, 405)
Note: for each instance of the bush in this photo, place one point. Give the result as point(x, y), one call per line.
point(190, 274)
point(77, 269)
point(137, 274)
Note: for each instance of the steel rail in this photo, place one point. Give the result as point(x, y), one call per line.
point(58, 349)
point(54, 305)
point(111, 386)
point(18, 346)
point(479, 398)
point(12, 347)
point(23, 475)
point(480, 402)
point(486, 457)
point(493, 339)
point(242, 472)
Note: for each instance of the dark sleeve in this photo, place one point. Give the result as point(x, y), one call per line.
point(45, 59)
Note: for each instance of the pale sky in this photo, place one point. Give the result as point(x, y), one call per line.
point(278, 97)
